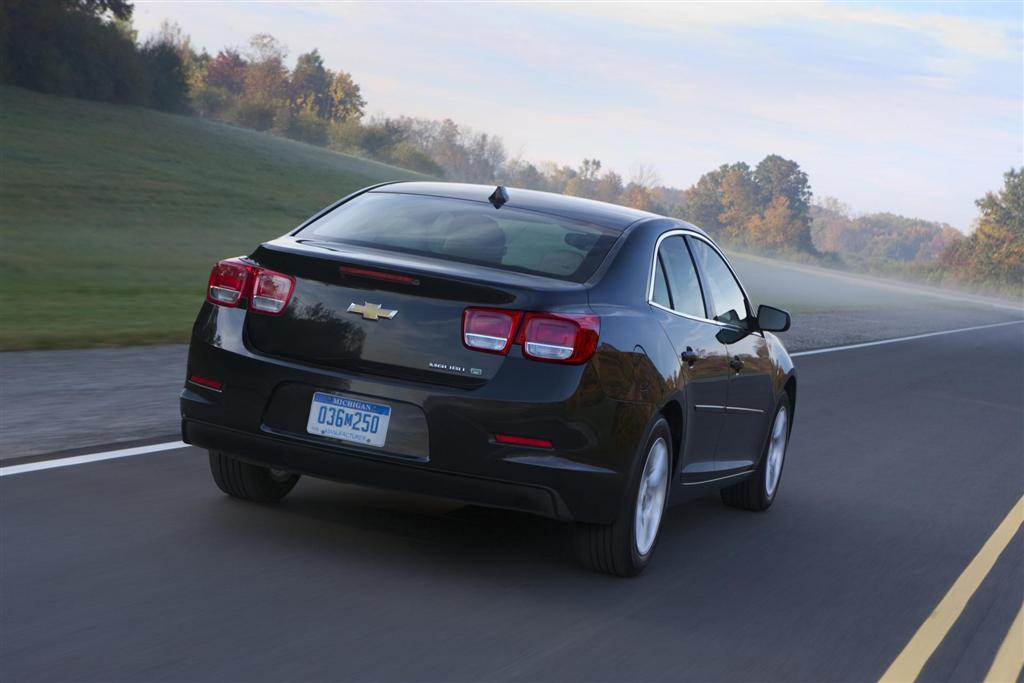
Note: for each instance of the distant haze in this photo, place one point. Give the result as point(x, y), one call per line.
point(917, 109)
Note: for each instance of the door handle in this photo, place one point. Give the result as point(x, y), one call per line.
point(690, 356)
point(735, 363)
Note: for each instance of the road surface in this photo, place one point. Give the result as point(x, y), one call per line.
point(905, 459)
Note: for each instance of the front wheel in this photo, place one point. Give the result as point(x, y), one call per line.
point(624, 547)
point(250, 482)
point(757, 492)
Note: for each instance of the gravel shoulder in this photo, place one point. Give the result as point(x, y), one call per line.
point(58, 400)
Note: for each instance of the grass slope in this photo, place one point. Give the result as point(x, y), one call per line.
point(110, 216)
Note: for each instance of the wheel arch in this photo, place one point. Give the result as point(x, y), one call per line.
point(672, 411)
point(790, 389)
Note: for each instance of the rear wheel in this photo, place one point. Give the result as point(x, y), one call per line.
point(625, 547)
point(757, 491)
point(250, 482)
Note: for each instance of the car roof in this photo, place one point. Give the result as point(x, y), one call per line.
point(577, 208)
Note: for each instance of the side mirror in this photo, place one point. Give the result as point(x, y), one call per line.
point(771, 319)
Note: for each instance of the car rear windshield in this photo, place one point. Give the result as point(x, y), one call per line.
point(473, 232)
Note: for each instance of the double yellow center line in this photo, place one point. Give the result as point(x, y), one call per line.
point(1010, 658)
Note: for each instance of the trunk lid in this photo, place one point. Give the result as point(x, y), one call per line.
point(422, 340)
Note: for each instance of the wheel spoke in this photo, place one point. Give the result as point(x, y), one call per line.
point(776, 452)
point(651, 496)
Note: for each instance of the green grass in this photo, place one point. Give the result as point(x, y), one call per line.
point(111, 216)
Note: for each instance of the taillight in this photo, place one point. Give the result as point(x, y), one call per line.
point(488, 329)
point(229, 282)
point(559, 337)
point(233, 281)
point(271, 291)
point(551, 337)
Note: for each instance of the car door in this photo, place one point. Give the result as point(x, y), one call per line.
point(704, 372)
point(749, 402)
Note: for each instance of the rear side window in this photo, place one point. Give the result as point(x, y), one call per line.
point(683, 285)
point(730, 304)
point(473, 232)
point(661, 296)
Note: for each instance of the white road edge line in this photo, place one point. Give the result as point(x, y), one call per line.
point(90, 457)
point(848, 347)
point(172, 445)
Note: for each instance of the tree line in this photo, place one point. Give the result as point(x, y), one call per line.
point(88, 49)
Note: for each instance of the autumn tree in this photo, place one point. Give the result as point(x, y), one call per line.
point(638, 197)
point(558, 175)
point(520, 173)
point(347, 103)
point(585, 180)
point(778, 227)
point(609, 187)
point(994, 252)
point(703, 204)
point(310, 85)
point(740, 200)
point(777, 177)
point(227, 71)
point(266, 77)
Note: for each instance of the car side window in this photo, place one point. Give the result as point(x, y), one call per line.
point(683, 285)
point(661, 296)
point(730, 306)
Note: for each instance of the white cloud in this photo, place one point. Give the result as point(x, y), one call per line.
point(886, 110)
point(987, 39)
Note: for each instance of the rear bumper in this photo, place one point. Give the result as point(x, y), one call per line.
point(329, 463)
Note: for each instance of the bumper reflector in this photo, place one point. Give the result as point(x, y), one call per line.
point(522, 441)
point(206, 382)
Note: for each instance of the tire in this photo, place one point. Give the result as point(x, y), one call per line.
point(758, 491)
point(625, 547)
point(250, 482)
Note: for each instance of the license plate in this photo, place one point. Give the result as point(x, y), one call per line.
point(348, 419)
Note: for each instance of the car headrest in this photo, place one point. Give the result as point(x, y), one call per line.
point(476, 237)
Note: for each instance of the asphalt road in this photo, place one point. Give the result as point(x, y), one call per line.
point(905, 458)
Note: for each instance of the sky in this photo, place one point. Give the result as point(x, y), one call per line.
point(914, 108)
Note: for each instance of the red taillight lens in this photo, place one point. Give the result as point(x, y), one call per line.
point(491, 330)
point(552, 337)
point(229, 282)
point(559, 337)
point(271, 291)
point(233, 281)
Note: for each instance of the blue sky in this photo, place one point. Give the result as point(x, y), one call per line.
point(915, 108)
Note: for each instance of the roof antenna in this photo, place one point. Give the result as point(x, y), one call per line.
point(498, 197)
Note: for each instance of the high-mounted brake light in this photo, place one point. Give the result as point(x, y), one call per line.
point(551, 337)
point(378, 275)
point(489, 329)
point(233, 281)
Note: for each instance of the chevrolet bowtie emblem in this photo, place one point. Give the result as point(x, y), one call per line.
point(372, 311)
